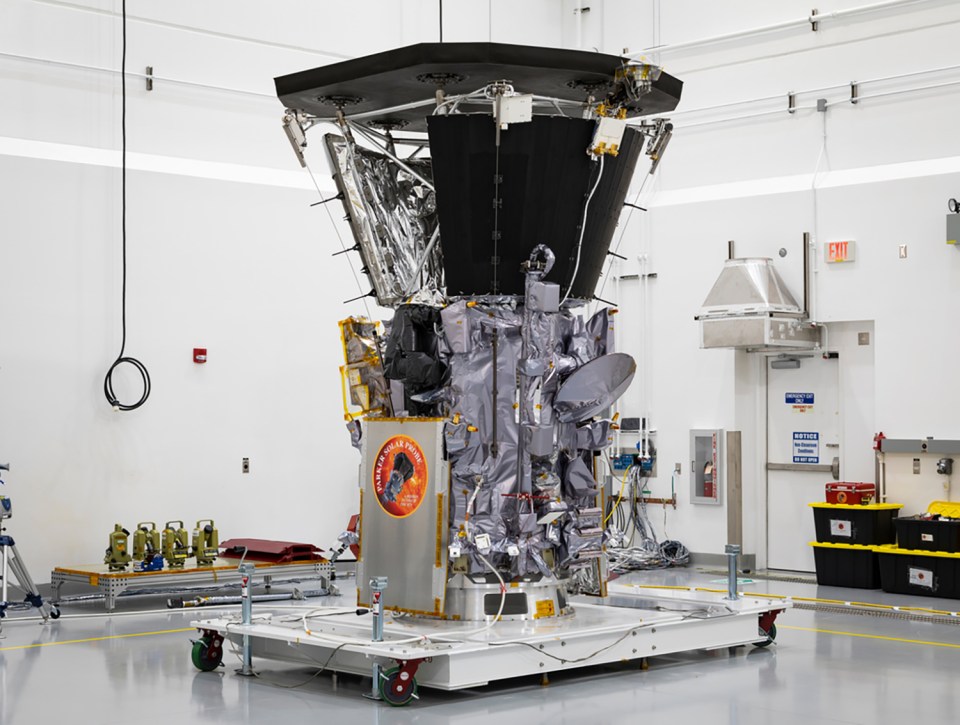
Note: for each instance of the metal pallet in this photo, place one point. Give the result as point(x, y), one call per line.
point(455, 655)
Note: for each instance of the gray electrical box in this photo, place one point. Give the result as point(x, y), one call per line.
point(705, 466)
point(953, 230)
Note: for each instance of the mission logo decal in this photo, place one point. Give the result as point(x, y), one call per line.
point(400, 476)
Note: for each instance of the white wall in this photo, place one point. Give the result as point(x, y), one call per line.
point(886, 170)
point(225, 253)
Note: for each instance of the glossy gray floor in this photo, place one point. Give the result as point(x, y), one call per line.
point(825, 668)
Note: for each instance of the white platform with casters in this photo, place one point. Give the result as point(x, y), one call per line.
point(632, 624)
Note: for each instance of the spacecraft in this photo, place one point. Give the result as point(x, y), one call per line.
point(483, 183)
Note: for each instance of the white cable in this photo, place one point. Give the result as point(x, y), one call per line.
point(503, 599)
point(583, 229)
point(466, 521)
point(351, 640)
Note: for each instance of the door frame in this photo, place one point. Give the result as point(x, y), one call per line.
point(857, 456)
point(828, 451)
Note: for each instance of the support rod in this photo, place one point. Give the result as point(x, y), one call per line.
point(372, 139)
point(732, 551)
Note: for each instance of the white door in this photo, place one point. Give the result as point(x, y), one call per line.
point(803, 440)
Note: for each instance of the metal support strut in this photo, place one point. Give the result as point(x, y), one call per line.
point(378, 585)
point(246, 574)
point(732, 551)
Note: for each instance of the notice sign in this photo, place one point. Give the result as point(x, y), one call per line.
point(834, 252)
point(800, 402)
point(806, 448)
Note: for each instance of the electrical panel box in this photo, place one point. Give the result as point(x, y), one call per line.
point(623, 460)
point(516, 109)
point(705, 466)
point(953, 230)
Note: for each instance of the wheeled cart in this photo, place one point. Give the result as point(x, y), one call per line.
point(448, 655)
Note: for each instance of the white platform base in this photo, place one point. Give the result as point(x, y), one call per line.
point(632, 624)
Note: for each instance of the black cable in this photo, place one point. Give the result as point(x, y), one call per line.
point(121, 358)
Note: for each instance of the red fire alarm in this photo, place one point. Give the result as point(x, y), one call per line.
point(199, 354)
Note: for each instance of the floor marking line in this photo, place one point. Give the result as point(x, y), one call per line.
point(97, 639)
point(871, 636)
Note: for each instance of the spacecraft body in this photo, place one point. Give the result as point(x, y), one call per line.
point(480, 408)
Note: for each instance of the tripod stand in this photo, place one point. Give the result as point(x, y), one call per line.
point(10, 561)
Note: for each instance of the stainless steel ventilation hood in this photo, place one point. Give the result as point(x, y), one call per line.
point(750, 308)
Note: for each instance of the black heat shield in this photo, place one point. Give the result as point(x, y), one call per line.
point(546, 176)
point(376, 84)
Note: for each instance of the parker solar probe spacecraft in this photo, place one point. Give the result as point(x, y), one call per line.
point(483, 183)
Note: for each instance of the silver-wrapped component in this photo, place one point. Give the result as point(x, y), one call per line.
point(392, 214)
point(594, 436)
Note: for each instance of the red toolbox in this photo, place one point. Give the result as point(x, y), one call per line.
point(851, 493)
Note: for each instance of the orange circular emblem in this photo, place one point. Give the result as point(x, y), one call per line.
point(400, 476)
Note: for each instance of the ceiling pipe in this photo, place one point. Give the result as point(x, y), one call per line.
point(806, 275)
point(806, 20)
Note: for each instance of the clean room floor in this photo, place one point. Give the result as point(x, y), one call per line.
point(826, 667)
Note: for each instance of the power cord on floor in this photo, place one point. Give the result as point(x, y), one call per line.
point(121, 357)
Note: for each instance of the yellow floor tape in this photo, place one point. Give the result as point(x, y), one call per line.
point(97, 639)
point(870, 636)
point(812, 600)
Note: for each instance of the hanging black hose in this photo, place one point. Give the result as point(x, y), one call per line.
point(121, 358)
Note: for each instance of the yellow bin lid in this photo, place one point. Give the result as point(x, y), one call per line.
point(856, 506)
point(893, 549)
point(831, 545)
point(950, 509)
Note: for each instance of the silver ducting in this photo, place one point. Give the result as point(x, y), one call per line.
point(750, 307)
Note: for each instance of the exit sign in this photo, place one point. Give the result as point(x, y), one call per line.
point(838, 252)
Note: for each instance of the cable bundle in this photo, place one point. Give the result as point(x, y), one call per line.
point(649, 553)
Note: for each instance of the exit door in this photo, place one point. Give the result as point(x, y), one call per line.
point(803, 450)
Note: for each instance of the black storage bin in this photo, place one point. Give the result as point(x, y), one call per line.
point(931, 535)
point(839, 523)
point(846, 565)
point(930, 574)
